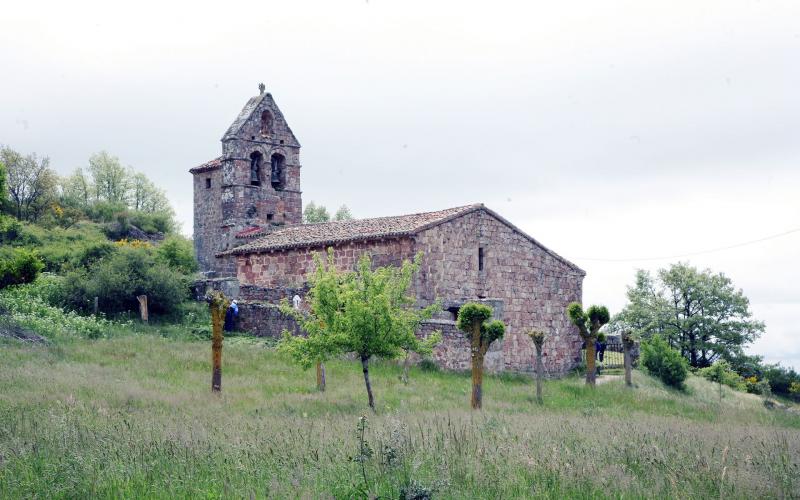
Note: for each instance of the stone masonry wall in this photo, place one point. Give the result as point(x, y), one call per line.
point(534, 286)
point(290, 268)
point(264, 320)
point(207, 218)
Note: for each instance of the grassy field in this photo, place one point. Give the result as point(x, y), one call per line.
point(133, 416)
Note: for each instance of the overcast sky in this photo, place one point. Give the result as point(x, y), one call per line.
point(606, 130)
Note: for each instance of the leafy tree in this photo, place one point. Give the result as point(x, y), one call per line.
point(717, 372)
point(3, 187)
point(422, 347)
point(110, 179)
point(473, 319)
point(538, 336)
point(77, 190)
point(699, 313)
point(314, 214)
point(146, 196)
point(31, 183)
point(368, 313)
point(343, 214)
point(664, 362)
point(589, 324)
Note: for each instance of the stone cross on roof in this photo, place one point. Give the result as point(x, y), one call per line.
point(261, 88)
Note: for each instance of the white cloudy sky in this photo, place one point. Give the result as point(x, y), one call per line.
point(607, 130)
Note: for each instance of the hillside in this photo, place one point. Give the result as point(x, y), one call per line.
point(133, 416)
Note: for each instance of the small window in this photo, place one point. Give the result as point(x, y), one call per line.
point(270, 216)
point(208, 182)
point(480, 259)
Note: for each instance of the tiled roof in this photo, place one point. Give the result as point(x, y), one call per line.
point(327, 233)
point(331, 233)
point(250, 232)
point(209, 165)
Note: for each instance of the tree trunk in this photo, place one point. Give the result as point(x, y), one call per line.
point(477, 369)
point(406, 365)
point(477, 380)
point(590, 364)
point(626, 353)
point(365, 366)
point(142, 307)
point(539, 375)
point(218, 307)
point(320, 377)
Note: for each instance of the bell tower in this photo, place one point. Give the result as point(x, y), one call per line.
point(260, 168)
point(249, 190)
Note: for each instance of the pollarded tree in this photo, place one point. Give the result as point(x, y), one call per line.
point(368, 313)
point(628, 342)
point(589, 324)
point(473, 319)
point(537, 336)
point(218, 304)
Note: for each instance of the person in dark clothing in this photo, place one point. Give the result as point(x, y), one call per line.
point(230, 317)
point(601, 349)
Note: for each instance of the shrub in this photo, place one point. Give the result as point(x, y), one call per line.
point(780, 379)
point(10, 228)
point(664, 362)
point(178, 253)
point(30, 306)
point(19, 266)
point(721, 373)
point(91, 253)
point(118, 278)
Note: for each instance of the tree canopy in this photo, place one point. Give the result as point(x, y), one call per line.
point(699, 313)
point(314, 214)
point(367, 312)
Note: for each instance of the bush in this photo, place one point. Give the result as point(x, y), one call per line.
point(178, 253)
point(19, 266)
point(31, 306)
point(781, 379)
point(721, 373)
point(118, 278)
point(10, 228)
point(664, 362)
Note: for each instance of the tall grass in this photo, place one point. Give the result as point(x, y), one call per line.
point(132, 416)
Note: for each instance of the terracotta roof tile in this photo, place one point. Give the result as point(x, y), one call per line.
point(250, 232)
point(331, 233)
point(326, 233)
point(209, 165)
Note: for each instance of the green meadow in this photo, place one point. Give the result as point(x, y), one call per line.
point(133, 416)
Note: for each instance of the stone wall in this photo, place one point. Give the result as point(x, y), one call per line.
point(264, 320)
point(290, 268)
point(534, 285)
point(207, 218)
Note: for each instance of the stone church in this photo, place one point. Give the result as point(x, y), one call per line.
point(250, 242)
